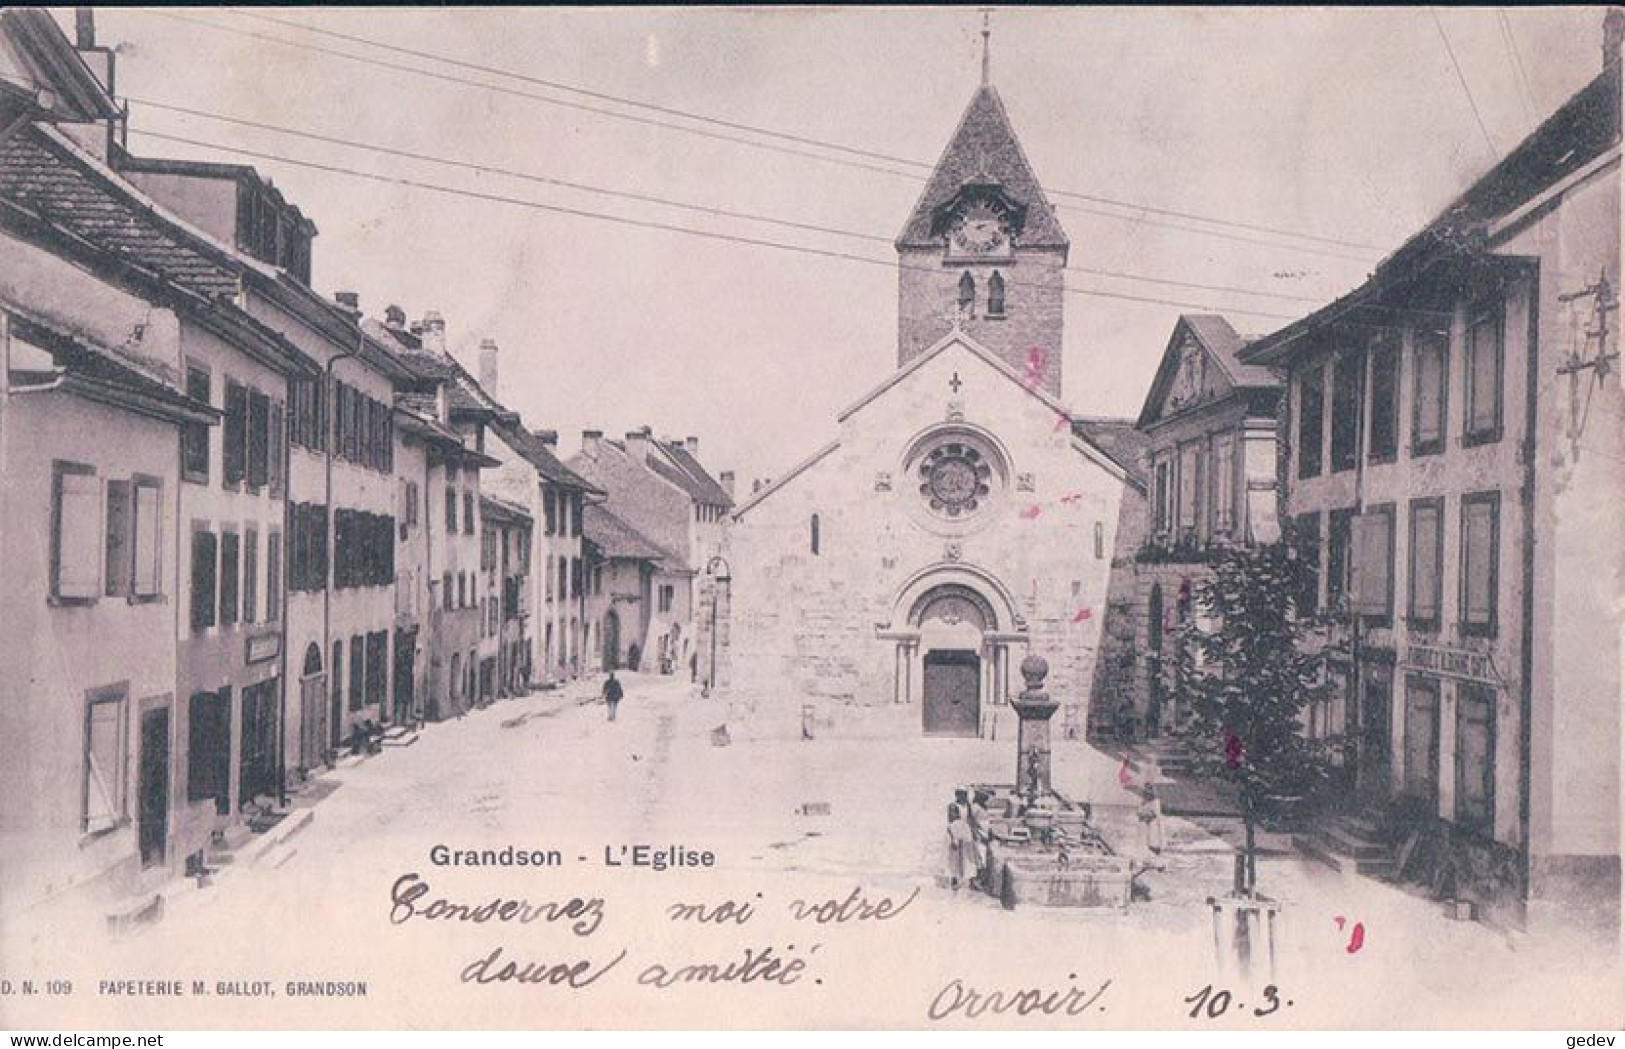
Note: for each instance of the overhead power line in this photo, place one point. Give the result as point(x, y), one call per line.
point(646, 198)
point(1462, 79)
point(649, 224)
point(759, 130)
point(1528, 93)
point(1335, 248)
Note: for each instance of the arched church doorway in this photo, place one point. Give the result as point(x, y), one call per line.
point(612, 641)
point(952, 621)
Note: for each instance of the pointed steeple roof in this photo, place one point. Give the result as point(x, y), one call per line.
point(984, 150)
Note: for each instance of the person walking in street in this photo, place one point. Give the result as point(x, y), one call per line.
point(962, 857)
point(612, 694)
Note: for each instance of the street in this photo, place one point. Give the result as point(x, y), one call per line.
point(548, 772)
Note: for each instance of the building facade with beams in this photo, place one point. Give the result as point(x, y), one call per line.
point(1451, 467)
point(962, 517)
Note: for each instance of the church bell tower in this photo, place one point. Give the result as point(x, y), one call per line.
point(984, 249)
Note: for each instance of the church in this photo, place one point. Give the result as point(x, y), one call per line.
point(960, 517)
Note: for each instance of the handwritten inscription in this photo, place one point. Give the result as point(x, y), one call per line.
point(406, 903)
point(855, 908)
point(957, 998)
point(757, 966)
point(575, 975)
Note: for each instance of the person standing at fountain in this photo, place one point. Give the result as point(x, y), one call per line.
point(1151, 834)
point(962, 853)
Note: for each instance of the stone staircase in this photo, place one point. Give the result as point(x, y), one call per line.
point(1354, 841)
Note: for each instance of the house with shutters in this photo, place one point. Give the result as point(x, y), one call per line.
point(1206, 448)
point(144, 455)
point(1451, 466)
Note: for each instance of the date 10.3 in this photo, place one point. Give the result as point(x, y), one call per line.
point(1213, 1004)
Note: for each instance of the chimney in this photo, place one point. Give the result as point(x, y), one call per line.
point(637, 445)
point(693, 446)
point(394, 318)
point(547, 437)
point(350, 301)
point(84, 28)
point(434, 332)
point(1613, 35)
point(488, 366)
point(726, 479)
point(589, 441)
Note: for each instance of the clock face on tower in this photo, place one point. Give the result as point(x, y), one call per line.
point(981, 229)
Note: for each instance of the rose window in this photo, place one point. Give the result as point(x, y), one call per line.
point(955, 479)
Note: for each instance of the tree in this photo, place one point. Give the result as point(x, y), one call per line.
point(1249, 675)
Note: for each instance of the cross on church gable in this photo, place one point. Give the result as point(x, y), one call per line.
point(955, 383)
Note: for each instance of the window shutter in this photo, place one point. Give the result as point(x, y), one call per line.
point(1425, 562)
point(1371, 571)
point(236, 432)
point(104, 765)
point(229, 577)
point(1478, 546)
point(203, 579)
point(279, 420)
point(251, 575)
point(117, 571)
point(273, 577)
point(148, 540)
point(259, 438)
point(78, 535)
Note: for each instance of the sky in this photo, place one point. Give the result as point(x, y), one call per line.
point(1351, 125)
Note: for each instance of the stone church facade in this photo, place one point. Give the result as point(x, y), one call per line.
point(962, 517)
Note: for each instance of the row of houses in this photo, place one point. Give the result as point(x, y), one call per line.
point(246, 525)
point(1443, 445)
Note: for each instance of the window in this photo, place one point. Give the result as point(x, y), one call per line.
point(116, 576)
point(338, 674)
point(1223, 487)
point(1475, 757)
point(468, 513)
point(251, 575)
point(358, 671)
point(668, 595)
point(106, 775)
point(967, 292)
point(1425, 586)
point(1306, 534)
point(1422, 740)
point(1385, 399)
point(451, 510)
point(1347, 372)
point(1311, 420)
point(229, 578)
point(813, 527)
point(462, 590)
point(575, 513)
point(273, 576)
point(1480, 556)
point(76, 532)
point(195, 436)
point(446, 592)
point(1190, 488)
point(1431, 397)
point(204, 570)
point(551, 512)
point(411, 503)
point(1100, 541)
point(259, 439)
point(1164, 498)
point(1371, 567)
point(1482, 415)
point(455, 680)
point(235, 433)
point(564, 584)
point(1338, 547)
point(995, 295)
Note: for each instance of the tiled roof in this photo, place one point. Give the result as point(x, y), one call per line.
point(700, 484)
point(542, 458)
point(984, 149)
point(1222, 341)
point(615, 537)
point(1580, 131)
point(499, 509)
point(1118, 439)
point(40, 176)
